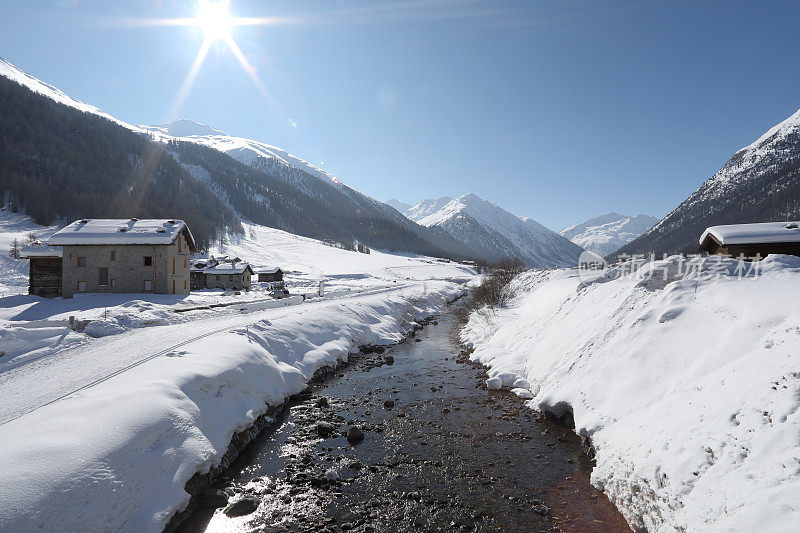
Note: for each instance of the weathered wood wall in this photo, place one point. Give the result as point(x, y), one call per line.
point(45, 276)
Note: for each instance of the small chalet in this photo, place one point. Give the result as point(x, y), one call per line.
point(45, 269)
point(270, 274)
point(217, 274)
point(123, 255)
point(753, 241)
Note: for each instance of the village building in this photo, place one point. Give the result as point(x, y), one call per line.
point(221, 273)
point(270, 274)
point(753, 241)
point(44, 268)
point(124, 256)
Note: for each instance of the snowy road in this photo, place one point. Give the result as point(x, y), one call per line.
point(66, 373)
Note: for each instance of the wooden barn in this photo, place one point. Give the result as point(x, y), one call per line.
point(46, 270)
point(753, 241)
point(270, 274)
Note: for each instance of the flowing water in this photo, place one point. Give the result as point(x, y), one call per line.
point(448, 455)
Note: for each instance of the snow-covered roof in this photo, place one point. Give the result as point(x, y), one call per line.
point(38, 249)
point(754, 233)
point(268, 270)
point(121, 231)
point(227, 268)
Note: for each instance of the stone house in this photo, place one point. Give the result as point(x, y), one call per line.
point(228, 276)
point(270, 274)
point(119, 255)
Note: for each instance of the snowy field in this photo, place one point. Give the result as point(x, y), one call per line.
point(687, 383)
point(102, 429)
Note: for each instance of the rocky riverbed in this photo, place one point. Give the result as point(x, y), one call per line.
point(409, 439)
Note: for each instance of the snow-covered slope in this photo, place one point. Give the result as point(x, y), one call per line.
point(684, 378)
point(247, 151)
point(38, 86)
point(426, 208)
point(494, 232)
point(608, 232)
point(760, 183)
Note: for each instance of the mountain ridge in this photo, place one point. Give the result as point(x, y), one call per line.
point(496, 232)
point(759, 183)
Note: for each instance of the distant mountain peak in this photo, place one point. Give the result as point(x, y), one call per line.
point(608, 232)
point(495, 232)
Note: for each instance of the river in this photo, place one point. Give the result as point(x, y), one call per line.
point(448, 455)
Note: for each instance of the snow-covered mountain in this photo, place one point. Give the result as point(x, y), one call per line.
point(760, 183)
point(495, 233)
point(607, 233)
point(107, 167)
point(247, 151)
point(426, 208)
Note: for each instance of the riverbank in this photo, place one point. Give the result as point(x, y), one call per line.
point(117, 455)
point(438, 451)
point(685, 381)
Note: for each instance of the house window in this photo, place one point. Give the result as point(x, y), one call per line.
point(173, 286)
point(81, 260)
point(81, 286)
point(184, 284)
point(184, 262)
point(113, 255)
point(173, 266)
point(113, 282)
point(147, 285)
point(102, 276)
point(148, 260)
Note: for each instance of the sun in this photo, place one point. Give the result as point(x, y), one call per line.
point(214, 19)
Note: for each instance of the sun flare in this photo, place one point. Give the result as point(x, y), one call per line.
point(215, 19)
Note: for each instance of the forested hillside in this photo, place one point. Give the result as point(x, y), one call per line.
point(57, 162)
point(61, 163)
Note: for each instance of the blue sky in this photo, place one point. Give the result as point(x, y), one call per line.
point(556, 110)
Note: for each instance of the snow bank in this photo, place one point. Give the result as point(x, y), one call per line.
point(687, 383)
point(117, 454)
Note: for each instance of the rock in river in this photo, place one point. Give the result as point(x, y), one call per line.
point(325, 429)
point(354, 434)
point(241, 507)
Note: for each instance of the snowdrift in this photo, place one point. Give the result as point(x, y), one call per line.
point(115, 456)
point(686, 381)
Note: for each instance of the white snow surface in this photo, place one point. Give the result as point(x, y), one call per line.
point(607, 233)
point(426, 208)
point(688, 385)
point(102, 429)
point(118, 231)
point(754, 233)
